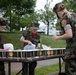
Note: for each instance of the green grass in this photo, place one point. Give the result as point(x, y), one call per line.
point(48, 69)
point(14, 38)
point(47, 40)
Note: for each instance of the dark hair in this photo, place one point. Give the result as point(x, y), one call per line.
point(58, 7)
point(3, 22)
point(34, 24)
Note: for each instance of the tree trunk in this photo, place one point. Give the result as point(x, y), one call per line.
point(47, 27)
point(10, 20)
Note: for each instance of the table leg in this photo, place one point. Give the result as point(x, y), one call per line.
point(59, 65)
point(9, 68)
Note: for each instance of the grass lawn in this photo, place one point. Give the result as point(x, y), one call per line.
point(47, 40)
point(48, 69)
point(14, 38)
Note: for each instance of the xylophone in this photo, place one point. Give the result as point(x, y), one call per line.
point(36, 53)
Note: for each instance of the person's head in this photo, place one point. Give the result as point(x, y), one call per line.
point(3, 23)
point(60, 9)
point(34, 27)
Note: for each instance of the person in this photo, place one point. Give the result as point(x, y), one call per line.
point(30, 38)
point(68, 26)
point(2, 67)
point(2, 27)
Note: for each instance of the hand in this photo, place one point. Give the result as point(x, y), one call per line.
point(8, 49)
point(55, 38)
point(37, 48)
point(29, 43)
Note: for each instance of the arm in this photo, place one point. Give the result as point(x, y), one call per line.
point(67, 35)
point(68, 31)
point(38, 44)
point(1, 49)
point(4, 49)
point(22, 39)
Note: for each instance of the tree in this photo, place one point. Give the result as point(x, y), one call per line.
point(27, 19)
point(47, 16)
point(70, 4)
point(19, 6)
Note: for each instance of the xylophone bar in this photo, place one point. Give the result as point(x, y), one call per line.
point(32, 53)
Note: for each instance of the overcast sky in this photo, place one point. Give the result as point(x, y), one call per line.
point(40, 3)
